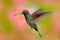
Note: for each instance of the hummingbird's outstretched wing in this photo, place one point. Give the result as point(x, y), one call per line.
point(40, 15)
point(36, 13)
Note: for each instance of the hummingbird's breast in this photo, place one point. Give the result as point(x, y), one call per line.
point(30, 21)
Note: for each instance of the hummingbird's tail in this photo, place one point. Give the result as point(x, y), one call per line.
point(38, 32)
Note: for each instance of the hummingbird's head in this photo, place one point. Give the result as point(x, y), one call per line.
point(25, 12)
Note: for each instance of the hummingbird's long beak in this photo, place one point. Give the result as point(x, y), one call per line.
point(17, 14)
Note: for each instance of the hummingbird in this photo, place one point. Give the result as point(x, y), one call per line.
point(33, 18)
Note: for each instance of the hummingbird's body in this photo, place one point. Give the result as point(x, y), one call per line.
point(38, 15)
point(30, 21)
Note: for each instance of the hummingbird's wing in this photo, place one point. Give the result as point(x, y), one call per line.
point(40, 15)
point(36, 13)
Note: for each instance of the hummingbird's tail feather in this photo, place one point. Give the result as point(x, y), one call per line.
point(38, 32)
